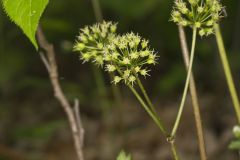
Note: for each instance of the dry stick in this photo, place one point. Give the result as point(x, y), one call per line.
point(193, 92)
point(73, 116)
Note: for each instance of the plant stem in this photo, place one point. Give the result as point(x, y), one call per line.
point(227, 71)
point(176, 124)
point(97, 10)
point(72, 112)
point(146, 96)
point(156, 119)
point(101, 88)
point(97, 74)
point(174, 151)
point(193, 92)
point(148, 110)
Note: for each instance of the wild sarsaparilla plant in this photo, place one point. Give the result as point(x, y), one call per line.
point(200, 16)
point(203, 17)
point(127, 56)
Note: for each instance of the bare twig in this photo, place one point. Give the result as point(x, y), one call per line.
point(194, 96)
point(49, 61)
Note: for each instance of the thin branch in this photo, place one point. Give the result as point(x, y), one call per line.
point(194, 96)
point(49, 61)
point(79, 122)
point(45, 61)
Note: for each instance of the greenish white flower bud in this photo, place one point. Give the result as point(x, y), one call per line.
point(202, 14)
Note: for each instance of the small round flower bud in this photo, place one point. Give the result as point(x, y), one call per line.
point(115, 55)
point(126, 74)
point(125, 61)
point(197, 24)
point(79, 46)
point(144, 44)
point(134, 55)
point(86, 57)
point(132, 79)
point(117, 79)
point(144, 53)
point(113, 28)
point(137, 69)
point(200, 9)
point(202, 32)
point(144, 72)
point(110, 68)
point(100, 46)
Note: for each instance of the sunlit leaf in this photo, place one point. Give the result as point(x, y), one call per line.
point(26, 14)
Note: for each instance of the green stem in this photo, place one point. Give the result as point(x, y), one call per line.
point(148, 110)
point(149, 102)
point(176, 124)
point(97, 10)
point(193, 93)
point(146, 96)
point(101, 88)
point(174, 151)
point(227, 71)
point(156, 120)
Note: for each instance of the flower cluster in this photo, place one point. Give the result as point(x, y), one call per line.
point(91, 41)
point(126, 56)
point(202, 14)
point(129, 55)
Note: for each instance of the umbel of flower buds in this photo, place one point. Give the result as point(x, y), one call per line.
point(91, 41)
point(202, 14)
point(126, 56)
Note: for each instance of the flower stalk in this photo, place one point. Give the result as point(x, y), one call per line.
point(227, 71)
point(179, 115)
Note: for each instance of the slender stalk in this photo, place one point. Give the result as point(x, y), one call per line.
point(97, 10)
point(193, 92)
point(174, 151)
point(97, 74)
point(156, 120)
point(227, 71)
point(148, 110)
point(176, 124)
point(146, 96)
point(101, 87)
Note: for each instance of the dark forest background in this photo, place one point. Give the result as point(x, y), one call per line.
point(33, 125)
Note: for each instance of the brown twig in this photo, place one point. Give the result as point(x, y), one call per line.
point(73, 116)
point(194, 96)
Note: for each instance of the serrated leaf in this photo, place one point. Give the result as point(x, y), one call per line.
point(26, 14)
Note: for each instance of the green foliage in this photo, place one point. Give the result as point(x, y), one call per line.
point(133, 9)
point(26, 15)
point(41, 131)
point(235, 144)
point(123, 156)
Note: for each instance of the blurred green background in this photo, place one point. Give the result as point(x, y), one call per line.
point(33, 125)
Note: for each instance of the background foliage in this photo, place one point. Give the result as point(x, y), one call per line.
point(31, 119)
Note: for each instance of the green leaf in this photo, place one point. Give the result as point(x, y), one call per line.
point(123, 156)
point(26, 14)
point(234, 145)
